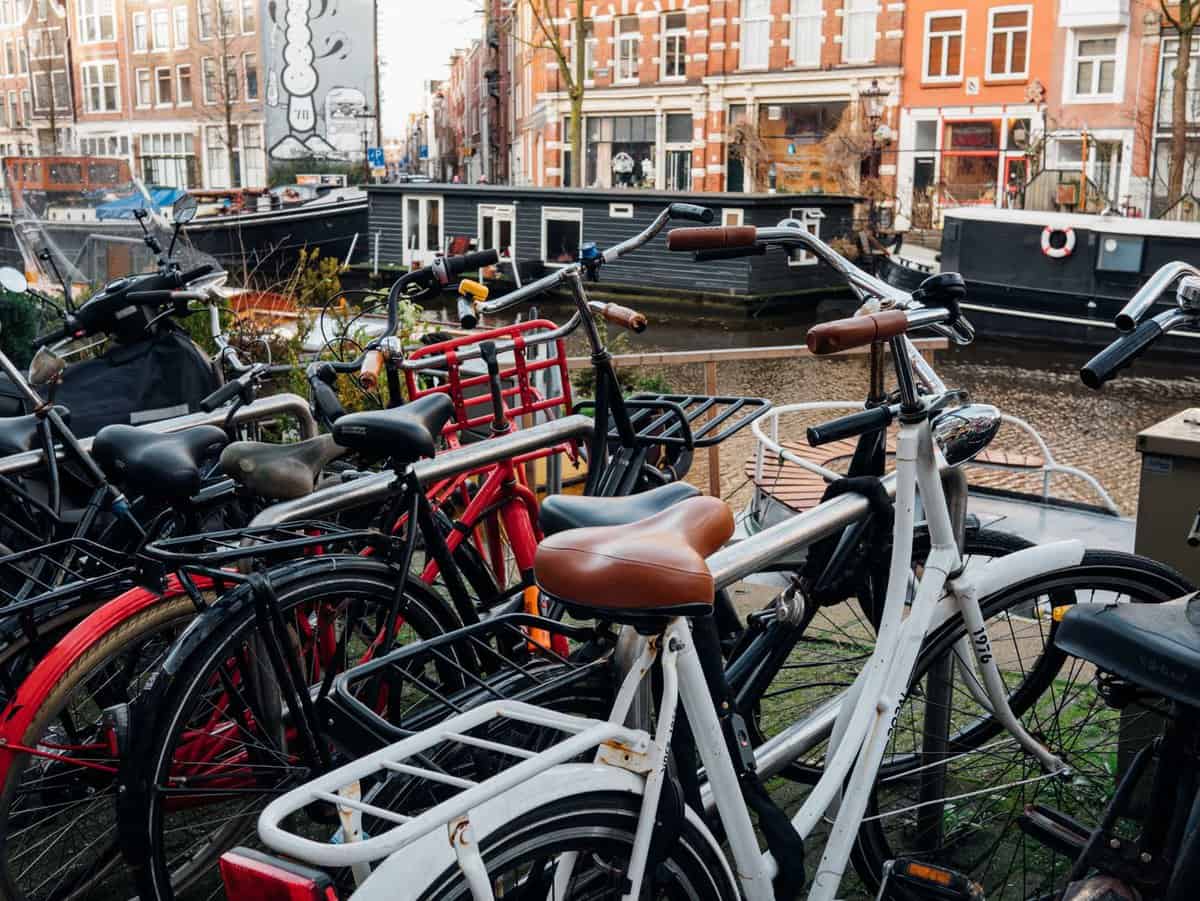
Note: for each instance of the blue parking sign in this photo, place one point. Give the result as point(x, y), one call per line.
point(375, 157)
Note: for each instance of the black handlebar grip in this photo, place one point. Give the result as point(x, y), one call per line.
point(851, 426)
point(729, 253)
point(325, 400)
point(472, 261)
point(1102, 367)
point(193, 274)
point(692, 212)
point(218, 398)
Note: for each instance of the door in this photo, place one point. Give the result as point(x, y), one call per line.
point(424, 234)
point(923, 187)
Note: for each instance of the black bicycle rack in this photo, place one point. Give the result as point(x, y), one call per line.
point(510, 657)
point(73, 569)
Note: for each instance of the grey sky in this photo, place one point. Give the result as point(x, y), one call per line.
point(416, 38)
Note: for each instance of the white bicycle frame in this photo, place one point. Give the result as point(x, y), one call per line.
point(417, 851)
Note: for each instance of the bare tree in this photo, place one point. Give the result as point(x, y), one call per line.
point(46, 57)
point(1184, 18)
point(572, 71)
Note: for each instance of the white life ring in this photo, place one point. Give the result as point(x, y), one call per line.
point(1057, 253)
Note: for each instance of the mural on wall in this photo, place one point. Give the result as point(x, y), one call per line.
point(319, 77)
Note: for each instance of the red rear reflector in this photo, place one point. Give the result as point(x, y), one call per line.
point(254, 876)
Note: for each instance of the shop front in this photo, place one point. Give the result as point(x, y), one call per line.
point(645, 151)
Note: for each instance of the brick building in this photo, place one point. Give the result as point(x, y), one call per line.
point(668, 80)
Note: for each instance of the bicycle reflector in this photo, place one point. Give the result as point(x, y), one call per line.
point(250, 874)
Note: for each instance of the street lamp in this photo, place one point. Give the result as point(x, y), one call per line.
point(873, 109)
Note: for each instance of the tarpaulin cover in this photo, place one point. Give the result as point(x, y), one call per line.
point(123, 208)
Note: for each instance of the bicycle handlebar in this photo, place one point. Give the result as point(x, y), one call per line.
point(718, 238)
point(851, 426)
point(859, 331)
point(1127, 319)
point(1105, 365)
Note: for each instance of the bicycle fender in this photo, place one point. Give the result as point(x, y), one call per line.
point(420, 863)
point(1020, 566)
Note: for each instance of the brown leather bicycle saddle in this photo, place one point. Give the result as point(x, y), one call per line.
point(653, 567)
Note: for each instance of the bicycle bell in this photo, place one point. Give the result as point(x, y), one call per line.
point(1188, 293)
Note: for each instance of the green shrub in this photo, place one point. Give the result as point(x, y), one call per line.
point(18, 327)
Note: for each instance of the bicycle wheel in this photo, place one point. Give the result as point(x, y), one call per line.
point(953, 783)
point(213, 739)
point(599, 828)
point(57, 817)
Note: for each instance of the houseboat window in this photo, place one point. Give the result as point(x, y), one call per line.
point(732, 218)
point(423, 234)
point(1008, 42)
point(810, 218)
point(1095, 65)
point(66, 174)
point(104, 173)
point(806, 33)
point(791, 134)
point(620, 210)
point(412, 223)
point(943, 47)
point(562, 233)
point(496, 225)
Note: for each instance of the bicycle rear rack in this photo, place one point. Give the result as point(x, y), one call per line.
point(74, 569)
point(506, 658)
point(449, 795)
point(688, 420)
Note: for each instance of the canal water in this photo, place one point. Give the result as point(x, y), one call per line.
point(1038, 383)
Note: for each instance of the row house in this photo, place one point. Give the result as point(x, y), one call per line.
point(704, 95)
point(35, 95)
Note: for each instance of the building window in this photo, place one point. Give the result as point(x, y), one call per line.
point(107, 145)
point(806, 32)
point(183, 85)
point(162, 88)
point(254, 158)
point(249, 18)
point(141, 34)
point(46, 44)
point(6, 12)
point(943, 46)
point(674, 45)
point(497, 225)
point(169, 159)
point(858, 36)
point(227, 20)
point(1170, 53)
point(10, 58)
point(221, 154)
point(250, 63)
point(562, 233)
point(792, 135)
point(22, 55)
point(756, 34)
point(1095, 73)
point(628, 43)
point(209, 68)
point(229, 64)
point(206, 20)
point(27, 106)
point(97, 20)
point(181, 27)
point(162, 29)
point(810, 218)
point(51, 87)
point(1008, 42)
point(14, 109)
point(679, 151)
point(590, 43)
point(101, 93)
point(143, 87)
point(620, 151)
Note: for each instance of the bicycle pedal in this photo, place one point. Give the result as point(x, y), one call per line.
point(905, 879)
point(1054, 829)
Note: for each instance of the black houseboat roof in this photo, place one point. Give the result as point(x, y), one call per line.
point(616, 195)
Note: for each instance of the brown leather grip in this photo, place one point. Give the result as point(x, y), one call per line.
point(716, 238)
point(624, 317)
point(843, 334)
point(368, 374)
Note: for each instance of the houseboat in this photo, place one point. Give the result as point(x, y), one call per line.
point(1053, 276)
point(536, 228)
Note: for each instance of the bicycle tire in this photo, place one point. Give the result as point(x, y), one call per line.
point(1110, 572)
point(162, 712)
point(109, 646)
point(601, 824)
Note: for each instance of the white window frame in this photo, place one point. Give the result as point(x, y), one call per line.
point(1022, 75)
point(95, 17)
point(1074, 36)
point(158, 73)
point(850, 10)
point(142, 20)
point(733, 218)
point(620, 211)
point(679, 35)
point(926, 78)
point(163, 17)
point(181, 43)
point(559, 214)
point(762, 20)
point(204, 92)
point(811, 218)
point(424, 201)
point(808, 16)
point(498, 213)
point(179, 81)
point(22, 56)
point(98, 65)
point(138, 101)
point(242, 15)
point(592, 44)
point(246, 77)
point(620, 40)
point(201, 7)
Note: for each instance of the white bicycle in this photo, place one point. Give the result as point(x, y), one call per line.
point(549, 826)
